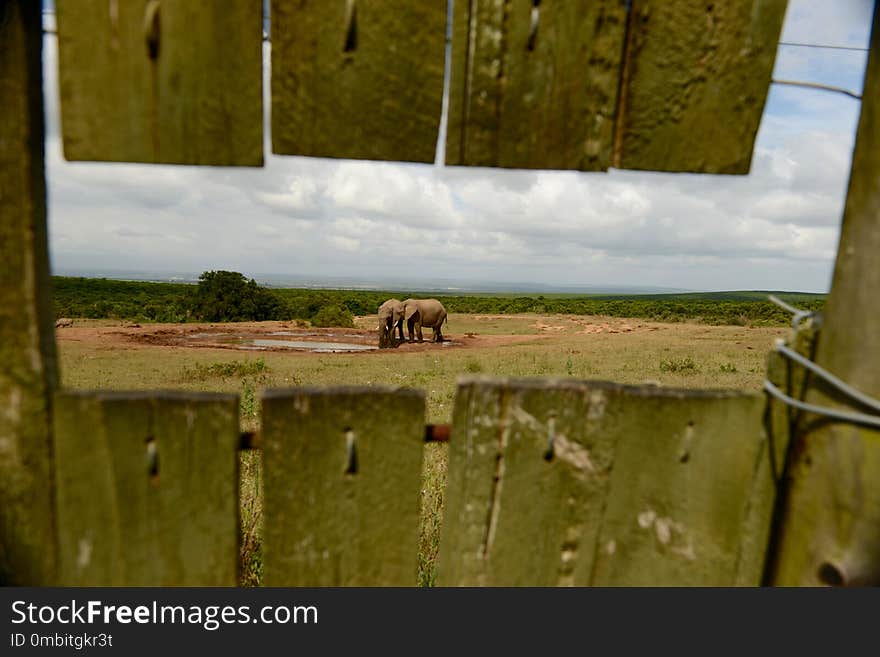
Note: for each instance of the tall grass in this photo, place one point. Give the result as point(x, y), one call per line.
point(433, 489)
point(251, 518)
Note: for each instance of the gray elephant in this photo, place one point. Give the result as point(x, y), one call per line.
point(390, 317)
point(424, 312)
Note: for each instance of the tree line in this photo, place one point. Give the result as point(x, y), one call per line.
point(223, 296)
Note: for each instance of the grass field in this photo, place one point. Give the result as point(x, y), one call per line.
point(682, 354)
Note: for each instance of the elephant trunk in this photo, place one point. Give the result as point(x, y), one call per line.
point(386, 336)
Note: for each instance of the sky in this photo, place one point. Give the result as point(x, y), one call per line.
point(406, 225)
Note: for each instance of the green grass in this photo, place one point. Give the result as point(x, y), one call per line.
point(251, 520)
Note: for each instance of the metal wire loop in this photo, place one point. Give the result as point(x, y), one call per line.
point(842, 386)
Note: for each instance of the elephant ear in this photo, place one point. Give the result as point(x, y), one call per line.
point(410, 310)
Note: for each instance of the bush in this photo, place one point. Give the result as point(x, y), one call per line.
point(473, 366)
point(333, 316)
point(225, 369)
point(682, 365)
point(227, 296)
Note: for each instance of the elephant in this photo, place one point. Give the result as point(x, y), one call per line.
point(390, 317)
point(424, 312)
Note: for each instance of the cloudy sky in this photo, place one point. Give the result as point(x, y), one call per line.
point(313, 219)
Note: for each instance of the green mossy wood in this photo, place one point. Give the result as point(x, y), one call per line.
point(694, 84)
point(147, 489)
point(360, 79)
point(781, 419)
point(829, 531)
point(182, 85)
point(676, 86)
point(325, 526)
point(534, 99)
point(646, 486)
point(690, 496)
point(27, 339)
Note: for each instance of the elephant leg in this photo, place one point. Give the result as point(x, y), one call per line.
point(400, 329)
point(419, 330)
point(410, 328)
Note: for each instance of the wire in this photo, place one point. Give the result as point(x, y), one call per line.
point(825, 375)
point(822, 45)
point(798, 314)
point(829, 378)
point(816, 85)
point(846, 416)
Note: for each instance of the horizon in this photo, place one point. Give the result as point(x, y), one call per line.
point(294, 281)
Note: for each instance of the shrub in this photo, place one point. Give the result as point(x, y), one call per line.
point(334, 315)
point(473, 366)
point(681, 365)
point(227, 296)
point(225, 369)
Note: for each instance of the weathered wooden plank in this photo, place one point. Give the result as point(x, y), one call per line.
point(177, 82)
point(147, 489)
point(512, 517)
point(27, 340)
point(331, 520)
point(829, 530)
point(694, 83)
point(687, 492)
point(646, 486)
point(534, 85)
point(358, 79)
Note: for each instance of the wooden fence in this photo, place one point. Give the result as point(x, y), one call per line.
point(551, 482)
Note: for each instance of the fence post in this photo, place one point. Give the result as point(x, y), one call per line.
point(828, 531)
point(176, 82)
point(27, 340)
point(576, 483)
point(147, 484)
point(342, 473)
point(361, 80)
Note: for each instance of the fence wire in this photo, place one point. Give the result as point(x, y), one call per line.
point(867, 419)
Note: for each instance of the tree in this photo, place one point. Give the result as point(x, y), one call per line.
point(228, 296)
point(335, 315)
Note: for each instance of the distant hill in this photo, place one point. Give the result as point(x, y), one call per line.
point(436, 286)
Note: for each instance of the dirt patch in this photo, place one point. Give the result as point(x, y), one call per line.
point(592, 325)
point(279, 336)
point(251, 336)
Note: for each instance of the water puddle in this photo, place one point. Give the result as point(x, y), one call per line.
point(300, 333)
point(317, 347)
point(280, 340)
point(253, 343)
